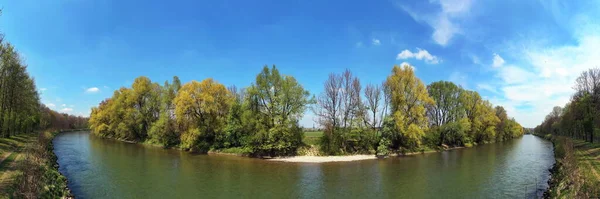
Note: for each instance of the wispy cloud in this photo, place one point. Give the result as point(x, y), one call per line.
point(498, 61)
point(376, 42)
point(43, 89)
point(544, 78)
point(358, 44)
point(66, 110)
point(50, 105)
point(487, 87)
point(459, 78)
point(92, 90)
point(420, 54)
point(443, 22)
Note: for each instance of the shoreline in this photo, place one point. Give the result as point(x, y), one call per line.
point(343, 158)
point(298, 158)
point(322, 159)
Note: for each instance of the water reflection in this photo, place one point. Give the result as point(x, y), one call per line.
point(101, 168)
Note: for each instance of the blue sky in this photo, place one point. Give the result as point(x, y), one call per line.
point(523, 55)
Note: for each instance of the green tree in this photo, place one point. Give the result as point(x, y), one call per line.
point(408, 98)
point(447, 107)
point(277, 103)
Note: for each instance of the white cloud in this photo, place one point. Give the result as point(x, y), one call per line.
point(376, 42)
point(544, 78)
point(63, 105)
point(66, 110)
point(92, 90)
point(43, 89)
point(71, 106)
point(514, 75)
point(406, 63)
point(475, 59)
point(443, 22)
point(50, 105)
point(420, 54)
point(498, 61)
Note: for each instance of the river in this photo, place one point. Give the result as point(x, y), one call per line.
point(103, 168)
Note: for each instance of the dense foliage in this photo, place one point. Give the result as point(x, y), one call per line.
point(401, 114)
point(404, 115)
point(203, 116)
point(20, 107)
point(578, 117)
point(21, 112)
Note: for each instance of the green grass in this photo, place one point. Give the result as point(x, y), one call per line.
point(313, 133)
point(312, 137)
point(7, 161)
point(13, 143)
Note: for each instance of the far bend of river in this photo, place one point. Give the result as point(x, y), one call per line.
point(102, 168)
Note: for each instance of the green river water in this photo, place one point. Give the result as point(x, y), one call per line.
point(102, 168)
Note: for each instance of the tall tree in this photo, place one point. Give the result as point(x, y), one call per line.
point(447, 107)
point(408, 98)
point(278, 102)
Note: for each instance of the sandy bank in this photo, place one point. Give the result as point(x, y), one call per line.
point(323, 159)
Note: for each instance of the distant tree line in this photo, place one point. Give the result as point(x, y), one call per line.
point(20, 107)
point(401, 114)
point(578, 118)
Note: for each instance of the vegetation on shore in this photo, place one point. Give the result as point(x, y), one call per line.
point(576, 171)
point(401, 115)
point(573, 130)
point(28, 168)
point(38, 171)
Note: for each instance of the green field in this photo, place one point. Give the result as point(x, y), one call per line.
point(312, 137)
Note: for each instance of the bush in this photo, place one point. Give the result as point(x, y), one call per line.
point(161, 132)
point(331, 141)
point(280, 140)
point(382, 149)
point(189, 139)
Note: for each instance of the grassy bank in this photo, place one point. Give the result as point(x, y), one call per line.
point(577, 169)
point(30, 169)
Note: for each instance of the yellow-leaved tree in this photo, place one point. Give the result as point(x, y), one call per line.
point(201, 110)
point(408, 98)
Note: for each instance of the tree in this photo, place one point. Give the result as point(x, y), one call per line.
point(277, 101)
point(447, 107)
point(408, 98)
point(374, 96)
point(202, 108)
point(340, 110)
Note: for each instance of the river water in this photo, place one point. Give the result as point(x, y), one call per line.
point(103, 168)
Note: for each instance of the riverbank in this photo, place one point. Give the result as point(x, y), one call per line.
point(33, 173)
point(576, 171)
point(323, 159)
point(306, 154)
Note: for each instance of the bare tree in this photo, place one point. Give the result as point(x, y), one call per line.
point(328, 104)
point(374, 97)
point(350, 97)
point(589, 82)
